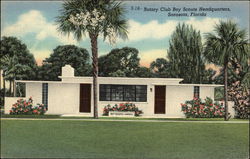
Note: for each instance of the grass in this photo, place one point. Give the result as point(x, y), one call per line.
point(29, 116)
point(100, 139)
point(177, 119)
point(118, 118)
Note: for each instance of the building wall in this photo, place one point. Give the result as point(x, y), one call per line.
point(206, 92)
point(34, 90)
point(63, 98)
point(8, 102)
point(175, 95)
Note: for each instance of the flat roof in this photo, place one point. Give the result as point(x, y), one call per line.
point(160, 83)
point(32, 81)
point(122, 78)
point(203, 85)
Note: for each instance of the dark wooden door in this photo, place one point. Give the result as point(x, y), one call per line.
point(85, 98)
point(160, 99)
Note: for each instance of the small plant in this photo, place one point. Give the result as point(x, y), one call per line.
point(40, 109)
point(26, 107)
point(208, 109)
point(122, 107)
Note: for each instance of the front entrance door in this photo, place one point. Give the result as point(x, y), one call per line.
point(160, 99)
point(85, 98)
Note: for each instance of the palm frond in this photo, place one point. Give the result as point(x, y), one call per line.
point(114, 12)
point(115, 18)
point(227, 41)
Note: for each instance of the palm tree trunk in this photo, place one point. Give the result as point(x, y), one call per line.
point(0, 79)
point(4, 88)
point(225, 90)
point(94, 49)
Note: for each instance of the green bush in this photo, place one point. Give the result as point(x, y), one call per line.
point(122, 107)
point(26, 107)
point(198, 109)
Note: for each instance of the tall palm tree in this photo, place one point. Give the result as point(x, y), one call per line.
point(221, 47)
point(94, 17)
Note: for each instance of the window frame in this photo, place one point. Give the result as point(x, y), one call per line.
point(45, 92)
point(196, 91)
point(128, 93)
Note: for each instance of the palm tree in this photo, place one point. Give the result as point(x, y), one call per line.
point(94, 17)
point(221, 47)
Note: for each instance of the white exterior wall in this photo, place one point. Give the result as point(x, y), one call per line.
point(175, 95)
point(34, 90)
point(63, 98)
point(8, 102)
point(206, 92)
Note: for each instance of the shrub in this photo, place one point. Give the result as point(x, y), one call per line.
point(198, 109)
point(241, 98)
point(26, 107)
point(122, 107)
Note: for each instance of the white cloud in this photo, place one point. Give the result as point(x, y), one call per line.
point(205, 25)
point(34, 22)
point(151, 30)
point(148, 56)
point(157, 31)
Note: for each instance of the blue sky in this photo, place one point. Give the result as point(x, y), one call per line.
point(34, 23)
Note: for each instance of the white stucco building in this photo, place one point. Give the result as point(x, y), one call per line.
point(156, 97)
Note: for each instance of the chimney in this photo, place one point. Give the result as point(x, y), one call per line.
point(68, 71)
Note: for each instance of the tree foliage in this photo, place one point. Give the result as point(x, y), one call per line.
point(16, 60)
point(144, 72)
point(241, 98)
point(185, 54)
point(123, 62)
point(226, 44)
point(208, 76)
point(161, 68)
point(62, 55)
point(113, 12)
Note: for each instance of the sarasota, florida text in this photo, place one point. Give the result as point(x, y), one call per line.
point(181, 11)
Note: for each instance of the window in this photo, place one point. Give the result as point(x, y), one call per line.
point(196, 92)
point(45, 94)
point(135, 93)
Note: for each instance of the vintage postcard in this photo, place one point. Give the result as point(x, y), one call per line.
point(125, 79)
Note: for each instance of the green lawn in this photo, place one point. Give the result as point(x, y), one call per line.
point(113, 139)
point(118, 118)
